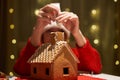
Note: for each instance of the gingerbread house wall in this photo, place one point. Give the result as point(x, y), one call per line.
point(71, 59)
point(41, 71)
point(58, 68)
point(64, 60)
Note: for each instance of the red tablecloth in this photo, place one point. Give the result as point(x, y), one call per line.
point(81, 77)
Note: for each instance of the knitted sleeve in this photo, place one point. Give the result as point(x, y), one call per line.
point(89, 58)
point(21, 66)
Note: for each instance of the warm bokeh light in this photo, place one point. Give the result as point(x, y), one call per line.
point(67, 9)
point(36, 12)
point(117, 62)
point(115, 0)
point(11, 10)
point(94, 28)
point(12, 57)
point(14, 41)
point(12, 26)
point(96, 41)
point(11, 74)
point(94, 12)
point(116, 46)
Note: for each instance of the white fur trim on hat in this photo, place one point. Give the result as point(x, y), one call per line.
point(57, 25)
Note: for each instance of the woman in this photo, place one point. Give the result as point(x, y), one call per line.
point(51, 19)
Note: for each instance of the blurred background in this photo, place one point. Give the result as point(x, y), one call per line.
point(99, 22)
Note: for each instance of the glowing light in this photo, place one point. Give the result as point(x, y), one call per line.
point(12, 26)
point(93, 11)
point(11, 10)
point(115, 0)
point(67, 9)
point(96, 41)
point(116, 46)
point(93, 27)
point(13, 41)
point(12, 56)
point(117, 62)
point(36, 12)
point(11, 74)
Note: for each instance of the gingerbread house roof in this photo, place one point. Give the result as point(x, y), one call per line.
point(48, 52)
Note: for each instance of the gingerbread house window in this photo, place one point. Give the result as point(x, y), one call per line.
point(65, 71)
point(34, 70)
point(47, 71)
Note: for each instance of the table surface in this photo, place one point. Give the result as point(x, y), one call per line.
point(104, 76)
point(101, 76)
point(107, 76)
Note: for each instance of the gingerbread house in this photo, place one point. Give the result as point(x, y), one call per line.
point(54, 60)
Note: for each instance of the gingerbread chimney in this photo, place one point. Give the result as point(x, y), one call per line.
point(56, 36)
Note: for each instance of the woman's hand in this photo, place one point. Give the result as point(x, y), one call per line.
point(70, 21)
point(46, 14)
point(52, 10)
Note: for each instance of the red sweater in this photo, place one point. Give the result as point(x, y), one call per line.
point(88, 56)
